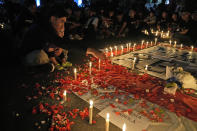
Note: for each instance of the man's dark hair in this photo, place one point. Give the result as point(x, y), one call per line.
point(58, 11)
point(29, 3)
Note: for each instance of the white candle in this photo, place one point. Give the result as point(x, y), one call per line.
point(90, 112)
point(134, 47)
point(168, 34)
point(161, 33)
point(151, 43)
point(174, 44)
point(181, 46)
point(170, 42)
point(75, 73)
point(146, 68)
point(155, 41)
point(106, 50)
point(107, 123)
point(142, 44)
point(65, 95)
point(112, 55)
point(152, 30)
point(111, 49)
point(124, 127)
point(134, 60)
point(129, 46)
point(147, 44)
point(99, 64)
point(90, 68)
point(116, 50)
point(122, 49)
point(192, 48)
point(156, 33)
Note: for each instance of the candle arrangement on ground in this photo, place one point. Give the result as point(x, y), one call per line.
point(118, 77)
point(97, 77)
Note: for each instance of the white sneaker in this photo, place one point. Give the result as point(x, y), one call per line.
point(78, 37)
point(71, 37)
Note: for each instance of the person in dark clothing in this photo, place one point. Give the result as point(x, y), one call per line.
point(40, 45)
point(150, 21)
point(120, 25)
point(43, 42)
point(91, 26)
point(163, 22)
point(132, 23)
point(106, 24)
point(174, 23)
point(185, 28)
point(193, 30)
point(24, 21)
point(76, 25)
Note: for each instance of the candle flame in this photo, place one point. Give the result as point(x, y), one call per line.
point(134, 59)
point(91, 102)
point(75, 70)
point(107, 116)
point(64, 93)
point(90, 64)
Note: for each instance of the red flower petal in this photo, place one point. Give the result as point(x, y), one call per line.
point(112, 105)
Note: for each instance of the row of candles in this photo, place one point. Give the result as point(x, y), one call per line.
point(91, 114)
point(90, 69)
point(99, 66)
point(128, 47)
point(157, 33)
point(181, 46)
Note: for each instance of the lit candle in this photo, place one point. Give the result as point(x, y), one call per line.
point(168, 34)
point(129, 46)
point(147, 44)
point(65, 95)
point(174, 44)
point(107, 123)
point(134, 60)
point(155, 41)
point(112, 55)
point(170, 42)
point(122, 49)
point(111, 49)
point(151, 43)
point(116, 50)
point(146, 68)
point(192, 48)
point(90, 112)
point(124, 127)
point(156, 33)
point(152, 30)
point(142, 44)
point(134, 47)
point(99, 64)
point(75, 73)
point(90, 68)
point(161, 33)
point(181, 46)
point(106, 51)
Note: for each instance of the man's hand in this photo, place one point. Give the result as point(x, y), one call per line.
point(95, 53)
